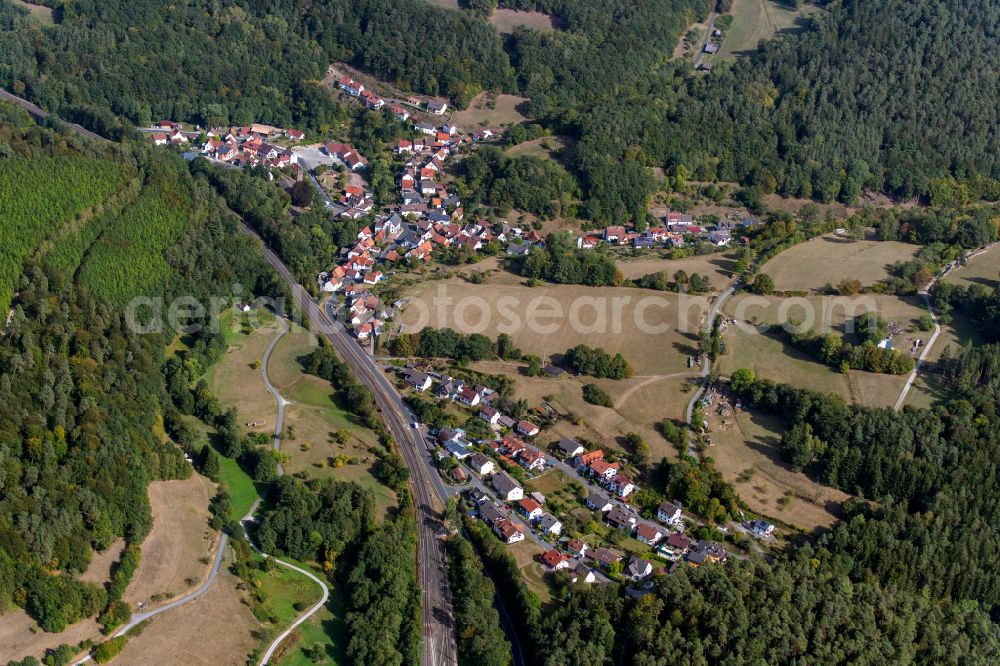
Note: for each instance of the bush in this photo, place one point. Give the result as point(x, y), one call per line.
point(595, 395)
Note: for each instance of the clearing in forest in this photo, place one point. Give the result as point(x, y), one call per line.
point(747, 455)
point(490, 110)
point(755, 20)
point(506, 21)
point(983, 269)
point(826, 260)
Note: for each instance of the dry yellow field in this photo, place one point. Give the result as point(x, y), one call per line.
point(218, 628)
point(480, 114)
point(236, 383)
point(717, 267)
point(770, 356)
point(508, 20)
point(983, 269)
point(654, 331)
point(180, 539)
point(810, 266)
point(773, 489)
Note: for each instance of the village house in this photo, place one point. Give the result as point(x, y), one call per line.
point(615, 235)
point(352, 87)
point(506, 487)
point(620, 519)
point(527, 428)
point(578, 547)
point(490, 513)
point(482, 464)
point(584, 459)
point(489, 414)
point(530, 508)
point(638, 568)
point(553, 560)
point(509, 531)
point(705, 551)
point(531, 458)
point(549, 524)
point(605, 557)
point(648, 534)
point(676, 544)
point(669, 512)
point(570, 448)
point(416, 379)
point(679, 219)
point(598, 502)
point(468, 396)
point(761, 528)
point(621, 485)
point(601, 469)
point(436, 107)
point(582, 573)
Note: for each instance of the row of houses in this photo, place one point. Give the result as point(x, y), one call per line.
point(246, 146)
point(607, 474)
point(374, 101)
point(679, 229)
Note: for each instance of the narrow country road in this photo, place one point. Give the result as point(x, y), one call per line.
point(429, 493)
point(925, 294)
point(705, 368)
point(708, 35)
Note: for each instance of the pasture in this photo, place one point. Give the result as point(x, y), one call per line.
point(812, 265)
point(219, 628)
point(754, 20)
point(654, 331)
point(175, 552)
point(490, 110)
point(545, 146)
point(40, 13)
point(717, 267)
point(983, 269)
point(314, 417)
point(767, 353)
point(748, 456)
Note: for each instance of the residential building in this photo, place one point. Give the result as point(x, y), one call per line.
point(530, 508)
point(416, 379)
point(761, 528)
point(669, 512)
point(507, 487)
point(604, 556)
point(482, 464)
point(621, 485)
point(527, 428)
point(436, 107)
point(549, 524)
point(638, 568)
point(583, 574)
point(648, 533)
point(509, 531)
point(531, 458)
point(705, 551)
point(570, 448)
point(578, 547)
point(620, 519)
point(602, 469)
point(598, 502)
point(677, 543)
point(553, 560)
point(490, 512)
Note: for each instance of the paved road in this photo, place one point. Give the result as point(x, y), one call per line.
point(332, 205)
point(708, 35)
point(428, 490)
point(38, 114)
point(279, 424)
point(705, 368)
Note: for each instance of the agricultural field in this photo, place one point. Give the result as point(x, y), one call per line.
point(827, 260)
point(508, 20)
point(747, 455)
point(547, 320)
point(983, 269)
point(717, 267)
point(770, 356)
point(176, 555)
point(314, 418)
point(219, 628)
point(754, 20)
point(490, 110)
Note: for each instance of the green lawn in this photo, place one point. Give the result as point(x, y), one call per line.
point(754, 20)
point(321, 628)
point(242, 491)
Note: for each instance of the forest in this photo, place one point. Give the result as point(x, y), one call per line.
point(83, 392)
point(560, 261)
point(527, 182)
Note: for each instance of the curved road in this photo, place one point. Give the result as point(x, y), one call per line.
point(429, 492)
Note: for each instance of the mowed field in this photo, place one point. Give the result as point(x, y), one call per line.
point(526, 553)
point(314, 416)
point(718, 268)
point(42, 14)
point(747, 455)
point(770, 356)
point(545, 146)
point(490, 110)
point(754, 20)
point(812, 265)
point(640, 403)
point(173, 553)
point(983, 270)
point(218, 628)
point(654, 331)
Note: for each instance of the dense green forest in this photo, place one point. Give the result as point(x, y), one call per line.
point(526, 182)
point(83, 393)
